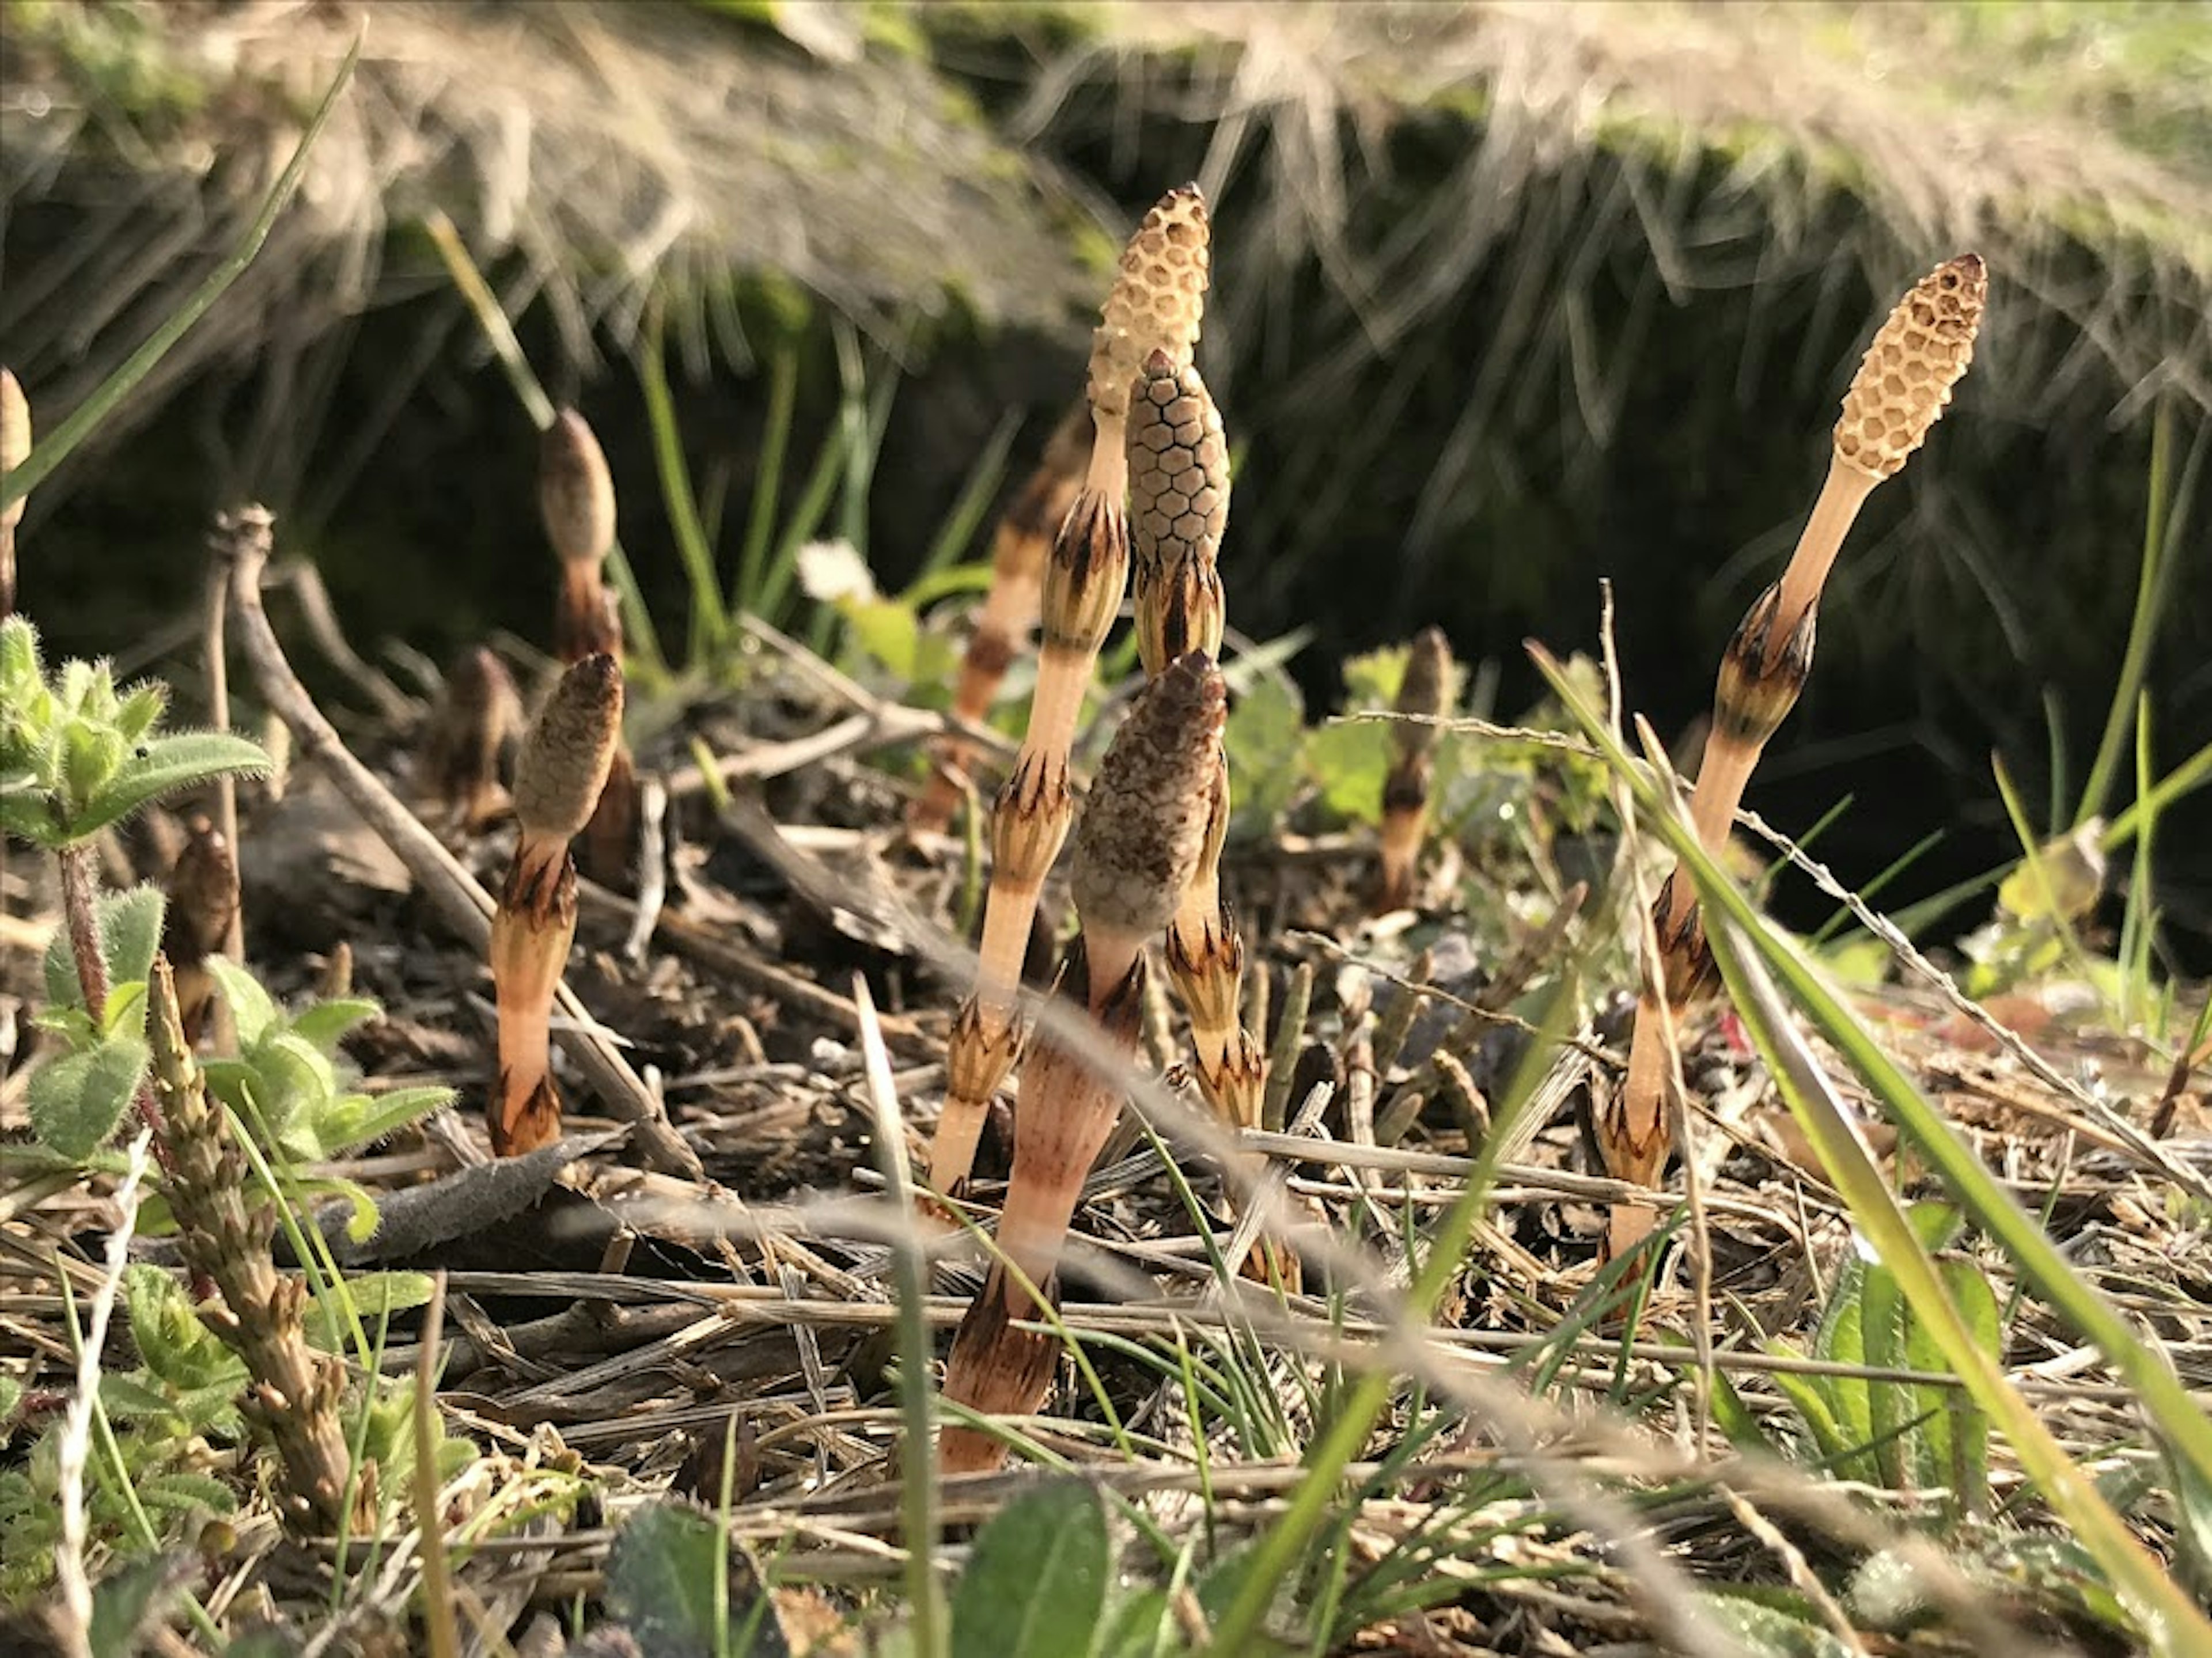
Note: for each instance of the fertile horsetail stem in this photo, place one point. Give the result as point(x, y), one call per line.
point(1157, 296)
point(558, 778)
point(1426, 692)
point(1142, 832)
point(1902, 388)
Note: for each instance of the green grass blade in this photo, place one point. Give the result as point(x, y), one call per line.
point(768, 479)
point(45, 457)
point(958, 533)
point(2163, 521)
point(710, 624)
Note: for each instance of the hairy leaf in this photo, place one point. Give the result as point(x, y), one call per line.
point(77, 1101)
point(162, 767)
point(130, 933)
point(1035, 1582)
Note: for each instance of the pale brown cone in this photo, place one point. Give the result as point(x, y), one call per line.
point(1905, 380)
point(1144, 822)
point(575, 491)
point(1157, 299)
point(563, 765)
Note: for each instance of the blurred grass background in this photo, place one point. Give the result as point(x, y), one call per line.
point(1510, 297)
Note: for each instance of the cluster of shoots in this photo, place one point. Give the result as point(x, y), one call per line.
point(1155, 306)
point(559, 778)
point(1142, 838)
point(1900, 390)
point(1019, 546)
point(576, 498)
point(1423, 696)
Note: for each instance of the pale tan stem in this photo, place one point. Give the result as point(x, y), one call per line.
point(531, 933)
point(1722, 780)
point(1842, 493)
point(1633, 1134)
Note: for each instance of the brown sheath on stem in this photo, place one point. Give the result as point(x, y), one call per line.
point(1020, 546)
point(1903, 386)
point(558, 778)
point(1426, 691)
point(15, 450)
point(202, 898)
point(1068, 1112)
point(1142, 832)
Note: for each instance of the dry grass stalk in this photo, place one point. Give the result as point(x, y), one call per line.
point(1019, 547)
point(1902, 388)
point(15, 450)
point(202, 902)
point(1426, 690)
point(558, 778)
point(576, 498)
point(224, 1235)
point(1156, 304)
point(1141, 837)
point(477, 719)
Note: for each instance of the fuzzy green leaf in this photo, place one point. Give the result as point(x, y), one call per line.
point(373, 1294)
point(77, 1101)
point(1768, 1631)
point(1958, 1429)
point(1896, 1443)
point(130, 933)
point(325, 1024)
point(162, 767)
point(174, 1345)
point(661, 1582)
point(353, 1119)
point(252, 1007)
point(132, 1601)
point(1035, 1582)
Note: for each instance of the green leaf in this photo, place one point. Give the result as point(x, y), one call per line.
point(162, 767)
point(661, 1582)
point(1768, 1631)
point(354, 1120)
point(132, 1600)
point(1899, 1448)
point(252, 1007)
point(1962, 1439)
point(325, 1024)
point(1841, 1339)
point(373, 1295)
point(180, 1492)
point(1265, 741)
point(130, 933)
point(172, 1341)
point(128, 1397)
point(1350, 762)
point(1035, 1582)
point(77, 1101)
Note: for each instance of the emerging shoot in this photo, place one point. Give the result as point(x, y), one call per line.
point(558, 778)
point(1425, 691)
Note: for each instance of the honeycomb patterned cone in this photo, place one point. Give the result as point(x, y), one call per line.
point(1144, 827)
point(1905, 381)
point(575, 491)
point(1156, 301)
point(1178, 467)
point(564, 764)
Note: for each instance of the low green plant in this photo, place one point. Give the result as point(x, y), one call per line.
point(78, 756)
point(1899, 1435)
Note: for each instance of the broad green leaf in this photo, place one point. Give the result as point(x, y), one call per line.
point(252, 1009)
point(77, 1101)
point(181, 1492)
point(1898, 1449)
point(373, 1294)
point(325, 1024)
point(1767, 1630)
point(1035, 1582)
point(1960, 1430)
point(1371, 680)
point(162, 767)
point(1142, 1626)
point(661, 1573)
point(128, 1397)
point(91, 757)
point(132, 1600)
point(1818, 1416)
point(1264, 740)
point(130, 933)
point(1349, 763)
point(353, 1119)
point(172, 1341)
point(1841, 1339)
